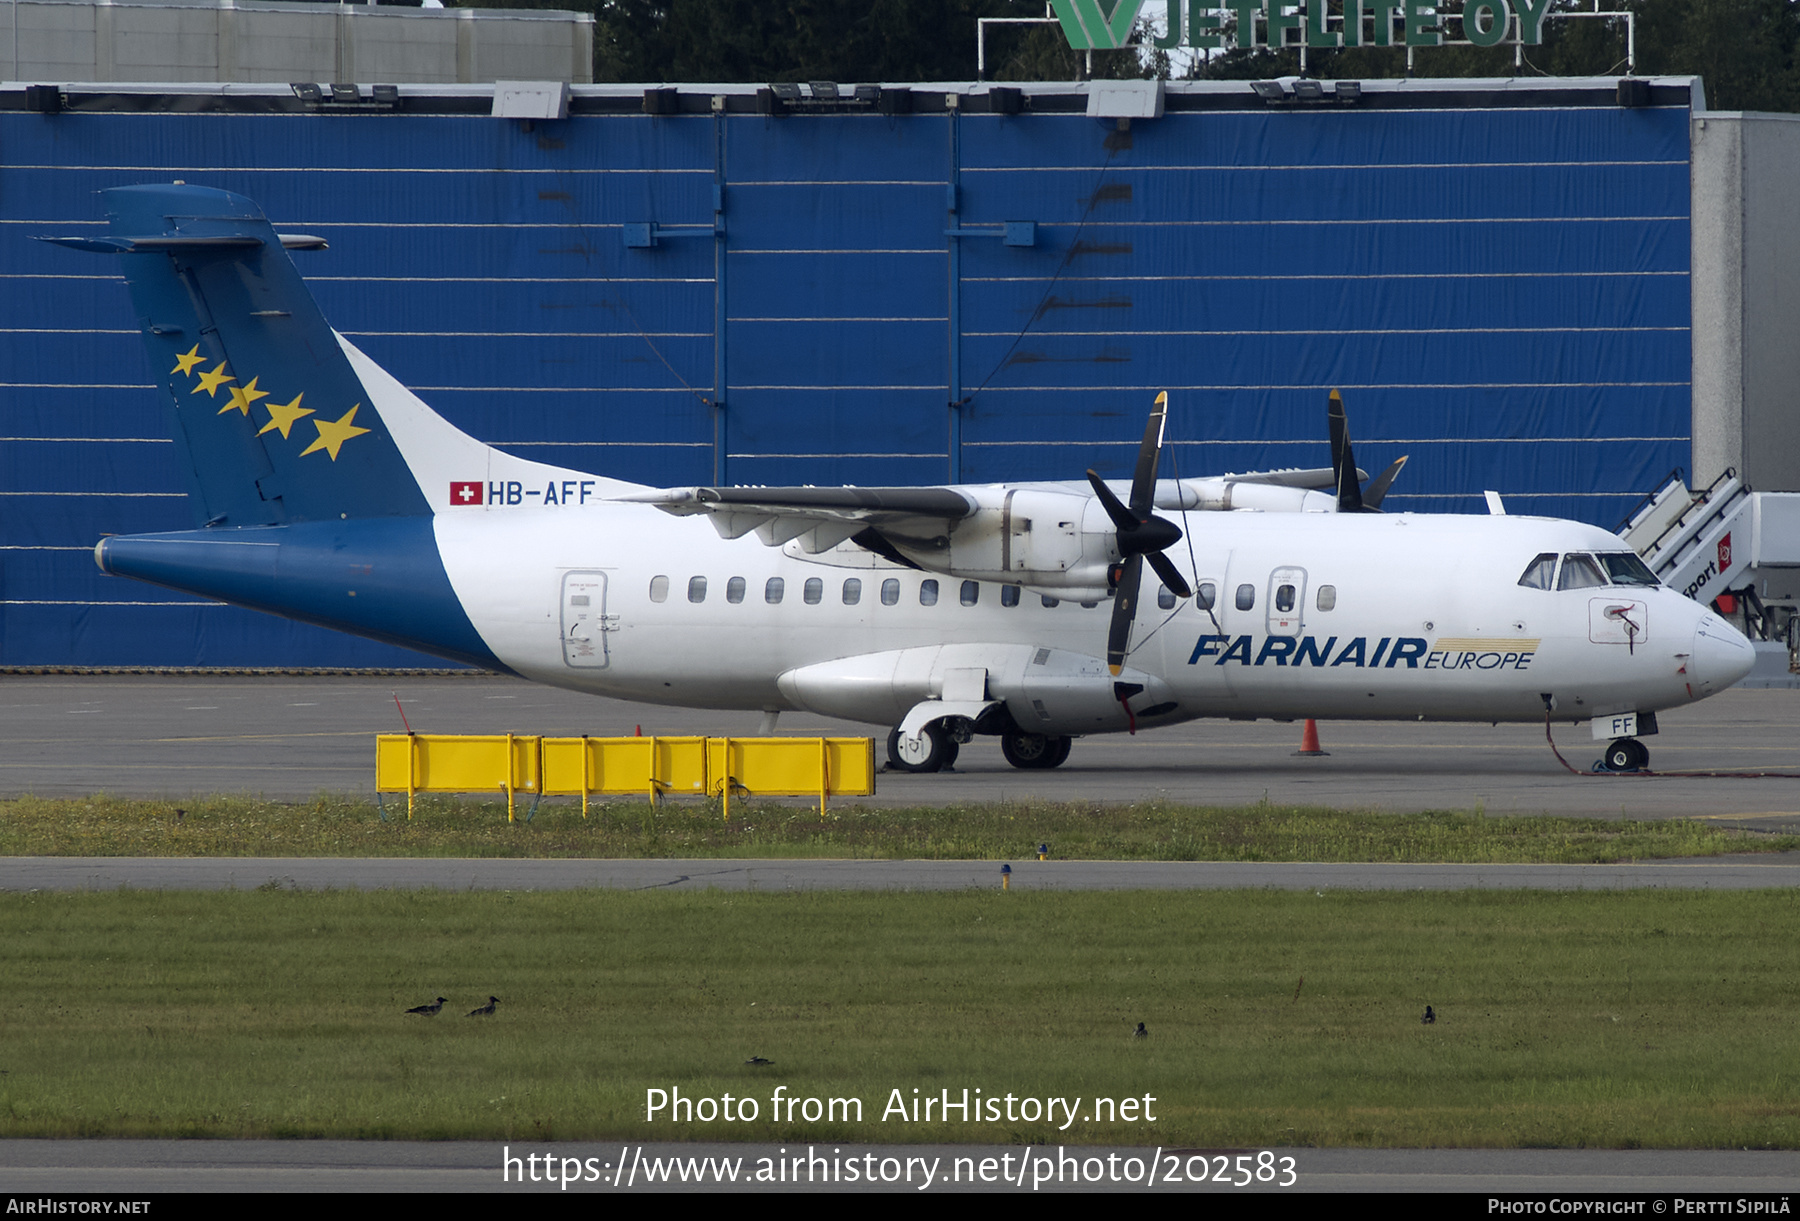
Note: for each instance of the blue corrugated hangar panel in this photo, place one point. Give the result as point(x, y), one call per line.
point(837, 335)
point(1499, 286)
point(465, 253)
point(1502, 293)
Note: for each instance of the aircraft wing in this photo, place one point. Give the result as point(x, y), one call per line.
point(941, 529)
point(1314, 479)
point(821, 518)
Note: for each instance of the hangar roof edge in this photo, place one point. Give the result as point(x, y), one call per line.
point(972, 97)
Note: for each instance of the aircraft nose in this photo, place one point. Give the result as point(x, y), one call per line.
point(1721, 656)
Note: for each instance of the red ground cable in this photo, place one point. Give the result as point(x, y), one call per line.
point(1646, 772)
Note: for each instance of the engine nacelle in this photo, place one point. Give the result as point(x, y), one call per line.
point(1056, 539)
point(1051, 540)
point(1223, 494)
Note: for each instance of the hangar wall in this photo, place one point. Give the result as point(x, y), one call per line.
point(1495, 273)
point(1746, 299)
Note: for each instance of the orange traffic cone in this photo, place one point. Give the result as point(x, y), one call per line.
point(1309, 740)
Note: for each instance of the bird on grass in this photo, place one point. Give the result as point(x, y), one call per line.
point(1429, 1017)
point(1140, 1032)
point(429, 1010)
point(486, 1010)
point(758, 1060)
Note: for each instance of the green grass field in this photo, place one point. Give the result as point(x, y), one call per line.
point(339, 826)
point(1631, 1019)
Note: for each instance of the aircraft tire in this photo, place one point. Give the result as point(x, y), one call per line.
point(936, 751)
point(1626, 755)
point(1033, 751)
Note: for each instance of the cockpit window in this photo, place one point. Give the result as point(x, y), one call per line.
point(1580, 571)
point(1625, 568)
point(1539, 573)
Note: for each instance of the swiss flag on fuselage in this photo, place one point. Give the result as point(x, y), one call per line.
point(465, 492)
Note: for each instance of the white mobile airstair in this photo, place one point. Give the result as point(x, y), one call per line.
point(1686, 537)
point(1735, 548)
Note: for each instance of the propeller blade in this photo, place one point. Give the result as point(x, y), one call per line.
point(1118, 633)
point(1171, 575)
point(1143, 480)
point(1140, 534)
point(1122, 517)
point(1343, 461)
point(1135, 536)
point(1377, 491)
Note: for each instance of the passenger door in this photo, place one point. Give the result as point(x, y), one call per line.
point(585, 623)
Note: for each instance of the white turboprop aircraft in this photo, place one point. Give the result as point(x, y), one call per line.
point(329, 493)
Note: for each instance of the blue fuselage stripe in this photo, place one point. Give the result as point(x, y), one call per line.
point(376, 577)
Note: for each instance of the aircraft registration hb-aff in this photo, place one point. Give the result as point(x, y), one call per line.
point(330, 494)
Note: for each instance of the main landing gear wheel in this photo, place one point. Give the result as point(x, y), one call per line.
point(1034, 751)
point(1626, 755)
point(932, 751)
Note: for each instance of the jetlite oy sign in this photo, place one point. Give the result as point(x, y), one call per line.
point(1325, 24)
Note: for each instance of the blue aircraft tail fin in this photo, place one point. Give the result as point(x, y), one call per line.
point(272, 423)
point(278, 419)
point(317, 478)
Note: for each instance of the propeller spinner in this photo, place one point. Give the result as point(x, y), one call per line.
point(1142, 535)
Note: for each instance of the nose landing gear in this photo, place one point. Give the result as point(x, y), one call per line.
point(1624, 755)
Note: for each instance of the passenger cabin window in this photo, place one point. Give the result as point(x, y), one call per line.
point(697, 589)
point(1009, 595)
point(890, 592)
point(813, 590)
point(1165, 597)
point(1246, 597)
point(773, 590)
point(927, 593)
point(1539, 572)
point(1580, 572)
point(734, 590)
point(1327, 599)
point(1207, 596)
point(852, 591)
point(971, 593)
point(1284, 598)
point(659, 589)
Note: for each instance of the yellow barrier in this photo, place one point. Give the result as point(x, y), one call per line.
point(790, 767)
point(623, 765)
point(415, 763)
point(773, 767)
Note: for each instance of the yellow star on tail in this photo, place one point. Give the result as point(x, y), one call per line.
point(284, 415)
point(185, 364)
point(243, 396)
point(210, 382)
point(333, 433)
